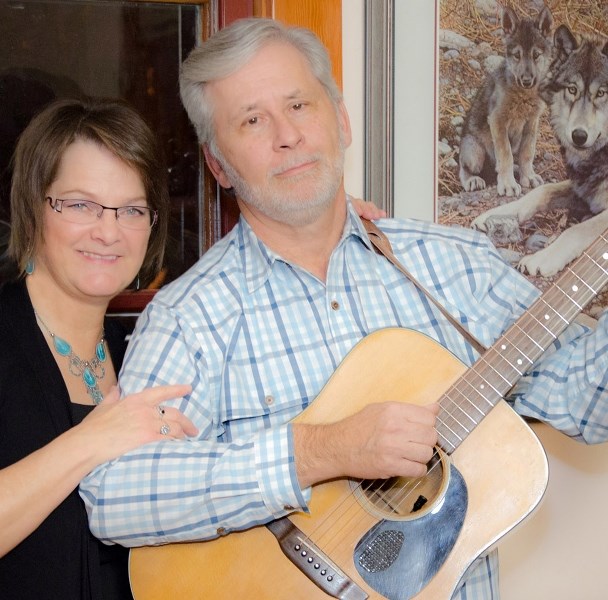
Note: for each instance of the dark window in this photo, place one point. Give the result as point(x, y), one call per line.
point(133, 50)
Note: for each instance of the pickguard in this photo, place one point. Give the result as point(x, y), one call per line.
point(398, 558)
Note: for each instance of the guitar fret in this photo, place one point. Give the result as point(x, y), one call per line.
point(487, 403)
point(545, 336)
point(453, 427)
point(480, 389)
point(489, 366)
point(547, 317)
point(497, 370)
point(597, 264)
point(458, 437)
point(453, 440)
point(445, 444)
point(540, 322)
point(539, 346)
point(518, 354)
point(464, 412)
point(592, 290)
point(578, 306)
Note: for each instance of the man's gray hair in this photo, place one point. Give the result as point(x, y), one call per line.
point(231, 48)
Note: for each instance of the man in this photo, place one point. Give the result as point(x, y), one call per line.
point(260, 323)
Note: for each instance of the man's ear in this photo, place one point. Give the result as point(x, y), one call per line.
point(344, 122)
point(216, 168)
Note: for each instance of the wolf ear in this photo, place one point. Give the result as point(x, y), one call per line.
point(564, 42)
point(509, 20)
point(544, 22)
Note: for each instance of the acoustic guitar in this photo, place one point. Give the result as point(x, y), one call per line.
point(401, 538)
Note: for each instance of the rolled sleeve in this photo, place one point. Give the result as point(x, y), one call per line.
point(276, 472)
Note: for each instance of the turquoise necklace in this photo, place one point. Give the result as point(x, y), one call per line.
point(91, 371)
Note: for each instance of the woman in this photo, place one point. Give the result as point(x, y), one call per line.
point(89, 217)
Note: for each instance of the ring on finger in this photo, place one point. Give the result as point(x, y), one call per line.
point(165, 429)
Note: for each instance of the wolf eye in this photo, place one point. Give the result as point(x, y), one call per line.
point(601, 93)
point(572, 89)
point(516, 55)
point(536, 54)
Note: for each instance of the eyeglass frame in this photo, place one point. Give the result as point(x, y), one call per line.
point(59, 205)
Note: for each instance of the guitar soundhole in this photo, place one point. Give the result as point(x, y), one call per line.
point(404, 497)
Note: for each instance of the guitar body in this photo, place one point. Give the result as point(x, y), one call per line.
point(493, 480)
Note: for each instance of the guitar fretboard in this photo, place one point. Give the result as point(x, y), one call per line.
point(472, 396)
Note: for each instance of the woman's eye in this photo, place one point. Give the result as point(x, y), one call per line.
point(78, 205)
point(133, 211)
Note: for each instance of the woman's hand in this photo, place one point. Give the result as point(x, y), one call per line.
point(44, 478)
point(367, 210)
point(117, 426)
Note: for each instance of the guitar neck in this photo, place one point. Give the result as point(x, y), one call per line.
point(476, 393)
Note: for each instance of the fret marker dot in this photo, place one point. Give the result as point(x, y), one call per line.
point(503, 347)
point(605, 256)
point(546, 317)
point(519, 361)
point(575, 288)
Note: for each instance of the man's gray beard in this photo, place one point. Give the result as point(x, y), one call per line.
point(292, 208)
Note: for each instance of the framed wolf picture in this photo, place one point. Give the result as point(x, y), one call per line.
point(522, 128)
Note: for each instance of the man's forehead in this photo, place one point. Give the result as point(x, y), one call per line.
point(278, 71)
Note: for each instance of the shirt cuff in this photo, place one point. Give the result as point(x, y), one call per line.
point(276, 472)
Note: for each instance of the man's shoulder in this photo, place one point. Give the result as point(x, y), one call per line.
point(414, 231)
point(221, 263)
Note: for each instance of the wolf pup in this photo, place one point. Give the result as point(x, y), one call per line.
point(577, 94)
point(503, 118)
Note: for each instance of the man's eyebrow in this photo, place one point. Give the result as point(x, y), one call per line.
point(253, 106)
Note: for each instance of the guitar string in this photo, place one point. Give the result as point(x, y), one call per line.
point(436, 464)
point(517, 348)
point(412, 485)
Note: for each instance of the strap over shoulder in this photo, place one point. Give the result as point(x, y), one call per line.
point(383, 246)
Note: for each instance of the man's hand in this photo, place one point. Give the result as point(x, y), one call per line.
point(382, 440)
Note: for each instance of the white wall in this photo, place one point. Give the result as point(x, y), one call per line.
point(415, 171)
point(559, 552)
point(353, 36)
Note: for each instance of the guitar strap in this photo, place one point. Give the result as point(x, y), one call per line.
point(383, 246)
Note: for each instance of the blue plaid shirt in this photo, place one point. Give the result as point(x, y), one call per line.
point(258, 337)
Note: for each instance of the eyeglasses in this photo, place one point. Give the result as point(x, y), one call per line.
point(85, 212)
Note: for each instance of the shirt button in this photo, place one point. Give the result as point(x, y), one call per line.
point(335, 305)
point(287, 507)
point(269, 400)
point(221, 531)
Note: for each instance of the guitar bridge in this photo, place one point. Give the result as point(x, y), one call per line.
point(311, 561)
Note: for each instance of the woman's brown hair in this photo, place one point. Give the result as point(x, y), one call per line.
point(114, 125)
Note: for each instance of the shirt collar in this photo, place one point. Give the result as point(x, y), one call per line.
point(258, 260)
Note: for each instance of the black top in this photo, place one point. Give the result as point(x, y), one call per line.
point(61, 559)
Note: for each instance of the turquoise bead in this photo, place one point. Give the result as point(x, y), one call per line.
point(89, 378)
point(100, 351)
point(62, 346)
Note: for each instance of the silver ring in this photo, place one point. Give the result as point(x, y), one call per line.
point(161, 410)
point(165, 429)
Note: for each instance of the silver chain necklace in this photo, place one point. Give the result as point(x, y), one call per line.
point(91, 371)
